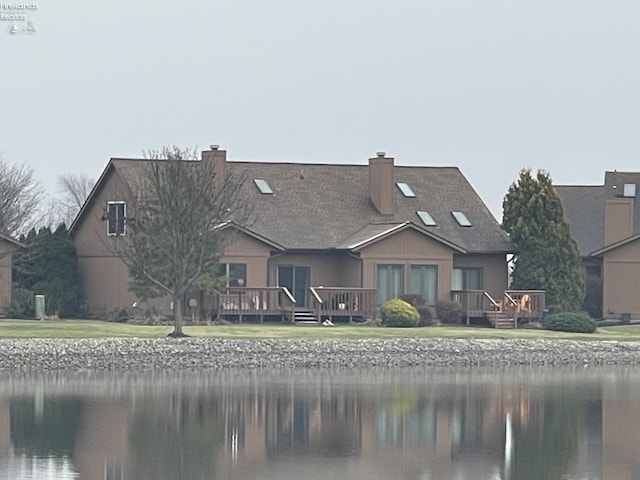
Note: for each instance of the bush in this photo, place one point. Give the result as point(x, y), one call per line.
point(398, 313)
point(425, 311)
point(570, 322)
point(427, 316)
point(449, 312)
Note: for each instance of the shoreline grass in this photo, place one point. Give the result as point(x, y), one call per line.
point(100, 329)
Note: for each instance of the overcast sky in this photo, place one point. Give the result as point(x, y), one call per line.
point(489, 86)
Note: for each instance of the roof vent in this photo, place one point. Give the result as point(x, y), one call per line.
point(629, 190)
point(381, 154)
point(214, 147)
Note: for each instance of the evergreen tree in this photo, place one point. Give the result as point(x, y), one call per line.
point(548, 257)
point(46, 266)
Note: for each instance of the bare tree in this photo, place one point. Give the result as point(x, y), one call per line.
point(73, 190)
point(21, 197)
point(176, 235)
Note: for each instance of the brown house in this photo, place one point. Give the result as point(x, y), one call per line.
point(605, 222)
point(7, 246)
point(341, 238)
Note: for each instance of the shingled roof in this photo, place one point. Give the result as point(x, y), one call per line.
point(584, 207)
point(320, 206)
point(327, 206)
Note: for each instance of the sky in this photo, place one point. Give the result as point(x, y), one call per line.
point(489, 86)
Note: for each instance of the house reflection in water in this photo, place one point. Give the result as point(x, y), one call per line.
point(317, 429)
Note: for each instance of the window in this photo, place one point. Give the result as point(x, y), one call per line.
point(424, 282)
point(467, 279)
point(263, 186)
point(406, 189)
point(235, 274)
point(426, 218)
point(116, 215)
point(390, 282)
point(461, 218)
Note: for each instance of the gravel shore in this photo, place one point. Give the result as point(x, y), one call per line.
point(113, 354)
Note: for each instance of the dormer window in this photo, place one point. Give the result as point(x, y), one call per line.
point(405, 189)
point(461, 218)
point(263, 186)
point(426, 218)
point(116, 215)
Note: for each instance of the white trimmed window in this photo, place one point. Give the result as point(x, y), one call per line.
point(116, 215)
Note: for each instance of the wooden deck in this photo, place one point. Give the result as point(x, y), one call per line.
point(326, 303)
point(256, 303)
point(515, 308)
point(343, 303)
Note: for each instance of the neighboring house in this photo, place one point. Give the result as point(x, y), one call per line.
point(381, 228)
point(605, 222)
point(7, 246)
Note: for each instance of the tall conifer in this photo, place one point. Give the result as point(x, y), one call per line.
point(548, 257)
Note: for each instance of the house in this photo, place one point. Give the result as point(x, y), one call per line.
point(344, 237)
point(605, 222)
point(7, 246)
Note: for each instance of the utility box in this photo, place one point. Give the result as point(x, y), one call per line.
point(39, 306)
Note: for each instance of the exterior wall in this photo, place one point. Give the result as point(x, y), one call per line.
point(621, 277)
point(326, 269)
point(5, 273)
point(103, 277)
point(104, 284)
point(254, 254)
point(495, 276)
point(618, 219)
point(408, 247)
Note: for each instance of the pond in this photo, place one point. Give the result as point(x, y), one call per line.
point(510, 424)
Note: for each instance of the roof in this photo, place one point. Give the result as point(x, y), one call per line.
point(584, 207)
point(372, 233)
point(613, 246)
point(319, 206)
point(327, 206)
point(580, 203)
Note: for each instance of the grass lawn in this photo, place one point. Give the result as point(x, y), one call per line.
point(98, 329)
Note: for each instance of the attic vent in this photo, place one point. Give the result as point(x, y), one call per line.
point(263, 186)
point(461, 218)
point(426, 218)
point(406, 190)
point(629, 190)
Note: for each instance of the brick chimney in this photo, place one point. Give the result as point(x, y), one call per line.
point(217, 160)
point(381, 183)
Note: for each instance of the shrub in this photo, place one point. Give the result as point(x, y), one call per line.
point(398, 313)
point(570, 322)
point(427, 316)
point(449, 312)
point(425, 311)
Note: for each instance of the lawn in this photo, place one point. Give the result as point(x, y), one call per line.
point(98, 329)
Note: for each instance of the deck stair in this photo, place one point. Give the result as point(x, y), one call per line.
point(304, 316)
point(502, 319)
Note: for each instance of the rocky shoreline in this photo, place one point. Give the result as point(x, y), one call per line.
point(127, 354)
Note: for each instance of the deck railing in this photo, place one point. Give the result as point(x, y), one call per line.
point(475, 303)
point(257, 302)
point(329, 302)
point(527, 304)
point(521, 304)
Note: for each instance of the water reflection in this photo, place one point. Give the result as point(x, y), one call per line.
point(413, 425)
